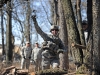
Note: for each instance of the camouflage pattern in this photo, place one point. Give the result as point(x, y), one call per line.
point(26, 56)
point(46, 51)
point(36, 57)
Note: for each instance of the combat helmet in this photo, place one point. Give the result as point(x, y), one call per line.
point(54, 27)
point(84, 22)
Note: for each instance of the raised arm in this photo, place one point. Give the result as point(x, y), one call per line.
point(38, 29)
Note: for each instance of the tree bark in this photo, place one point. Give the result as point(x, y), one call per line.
point(79, 22)
point(9, 50)
point(7, 69)
point(56, 16)
point(63, 34)
point(88, 59)
point(27, 25)
point(89, 16)
point(2, 32)
point(96, 37)
point(73, 35)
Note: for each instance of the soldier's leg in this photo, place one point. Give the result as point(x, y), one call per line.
point(22, 63)
point(55, 63)
point(42, 65)
point(45, 64)
point(27, 63)
point(36, 65)
point(45, 67)
point(39, 64)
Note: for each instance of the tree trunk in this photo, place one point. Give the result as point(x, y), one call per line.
point(55, 12)
point(9, 51)
point(89, 47)
point(27, 25)
point(79, 22)
point(73, 35)
point(81, 33)
point(2, 32)
point(63, 34)
point(96, 37)
point(89, 16)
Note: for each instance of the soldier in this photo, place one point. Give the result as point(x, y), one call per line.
point(26, 56)
point(36, 57)
point(85, 29)
point(50, 57)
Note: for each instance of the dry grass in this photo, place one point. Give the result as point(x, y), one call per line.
point(71, 70)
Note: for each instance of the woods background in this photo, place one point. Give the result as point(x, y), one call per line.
point(17, 24)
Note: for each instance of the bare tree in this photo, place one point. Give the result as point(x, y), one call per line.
point(2, 2)
point(96, 37)
point(9, 50)
point(73, 34)
point(54, 11)
point(63, 34)
point(2, 32)
point(27, 24)
point(79, 22)
point(88, 59)
point(89, 16)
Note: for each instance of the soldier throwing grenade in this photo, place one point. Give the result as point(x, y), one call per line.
point(52, 46)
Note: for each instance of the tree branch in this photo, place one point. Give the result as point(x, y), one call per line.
point(78, 46)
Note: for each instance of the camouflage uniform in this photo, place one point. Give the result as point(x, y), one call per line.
point(26, 56)
point(36, 57)
point(54, 55)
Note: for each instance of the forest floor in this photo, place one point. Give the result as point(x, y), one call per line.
point(71, 70)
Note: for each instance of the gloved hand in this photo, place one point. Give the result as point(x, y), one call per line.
point(29, 57)
point(24, 57)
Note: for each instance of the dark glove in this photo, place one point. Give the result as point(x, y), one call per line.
point(33, 16)
point(24, 57)
point(29, 57)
